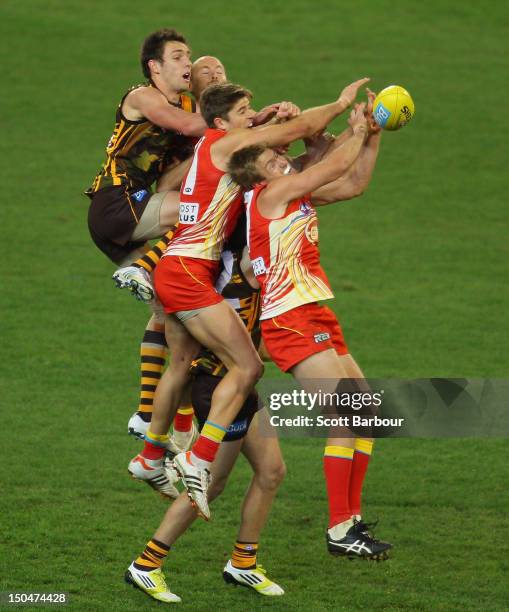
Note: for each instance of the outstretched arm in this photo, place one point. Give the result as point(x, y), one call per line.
point(305, 125)
point(356, 181)
point(150, 103)
point(284, 189)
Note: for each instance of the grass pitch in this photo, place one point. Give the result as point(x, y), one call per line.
point(418, 264)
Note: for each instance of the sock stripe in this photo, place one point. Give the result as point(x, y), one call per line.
point(363, 446)
point(186, 410)
point(341, 452)
point(213, 432)
point(153, 356)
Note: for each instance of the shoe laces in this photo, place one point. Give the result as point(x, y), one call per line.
point(158, 577)
point(366, 528)
point(261, 569)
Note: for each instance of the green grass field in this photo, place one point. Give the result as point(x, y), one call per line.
point(419, 266)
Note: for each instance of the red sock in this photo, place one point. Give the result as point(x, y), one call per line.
point(337, 465)
point(183, 419)
point(360, 463)
point(151, 451)
point(205, 449)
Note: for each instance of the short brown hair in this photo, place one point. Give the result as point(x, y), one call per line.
point(218, 100)
point(242, 166)
point(153, 46)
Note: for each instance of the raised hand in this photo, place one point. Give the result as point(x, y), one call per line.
point(349, 93)
point(287, 110)
point(357, 119)
point(373, 126)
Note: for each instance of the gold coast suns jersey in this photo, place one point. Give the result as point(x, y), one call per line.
point(285, 256)
point(210, 205)
point(138, 151)
point(233, 286)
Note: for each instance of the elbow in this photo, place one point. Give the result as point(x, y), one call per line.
point(358, 190)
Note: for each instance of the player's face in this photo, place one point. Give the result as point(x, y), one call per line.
point(272, 165)
point(206, 71)
point(175, 67)
point(240, 116)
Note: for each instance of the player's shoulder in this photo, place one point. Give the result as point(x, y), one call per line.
point(143, 91)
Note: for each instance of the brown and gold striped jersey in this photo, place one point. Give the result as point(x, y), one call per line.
point(138, 151)
point(233, 286)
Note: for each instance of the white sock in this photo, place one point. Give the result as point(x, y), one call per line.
point(201, 464)
point(338, 532)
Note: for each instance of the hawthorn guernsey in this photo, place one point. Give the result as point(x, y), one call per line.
point(285, 256)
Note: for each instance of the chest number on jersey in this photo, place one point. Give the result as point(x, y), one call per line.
point(258, 266)
point(188, 213)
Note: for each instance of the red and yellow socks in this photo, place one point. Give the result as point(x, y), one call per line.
point(183, 419)
point(205, 448)
point(155, 446)
point(244, 555)
point(152, 557)
point(361, 457)
point(337, 465)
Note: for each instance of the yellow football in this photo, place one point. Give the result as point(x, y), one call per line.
point(393, 108)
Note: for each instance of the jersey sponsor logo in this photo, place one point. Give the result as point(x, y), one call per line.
point(381, 114)
point(139, 195)
point(258, 266)
point(237, 427)
point(311, 231)
point(188, 213)
point(321, 337)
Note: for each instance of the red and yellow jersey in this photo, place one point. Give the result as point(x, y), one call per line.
point(285, 256)
point(139, 151)
point(210, 205)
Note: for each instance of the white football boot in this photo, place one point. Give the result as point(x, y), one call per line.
point(255, 578)
point(153, 473)
point(137, 280)
point(196, 482)
point(152, 583)
point(185, 439)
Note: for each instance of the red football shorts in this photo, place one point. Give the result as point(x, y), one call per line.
point(186, 283)
point(301, 332)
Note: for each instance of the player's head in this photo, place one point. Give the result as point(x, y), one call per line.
point(207, 70)
point(257, 163)
point(166, 59)
point(227, 106)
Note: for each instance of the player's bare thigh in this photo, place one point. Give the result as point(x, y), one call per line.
point(220, 329)
point(183, 348)
point(321, 372)
point(159, 216)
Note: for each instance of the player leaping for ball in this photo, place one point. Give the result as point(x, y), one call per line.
point(302, 336)
point(185, 279)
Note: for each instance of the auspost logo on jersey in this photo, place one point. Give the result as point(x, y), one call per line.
point(321, 337)
point(238, 427)
point(188, 213)
point(139, 195)
point(382, 114)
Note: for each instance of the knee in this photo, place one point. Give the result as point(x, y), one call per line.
point(271, 478)
point(253, 371)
